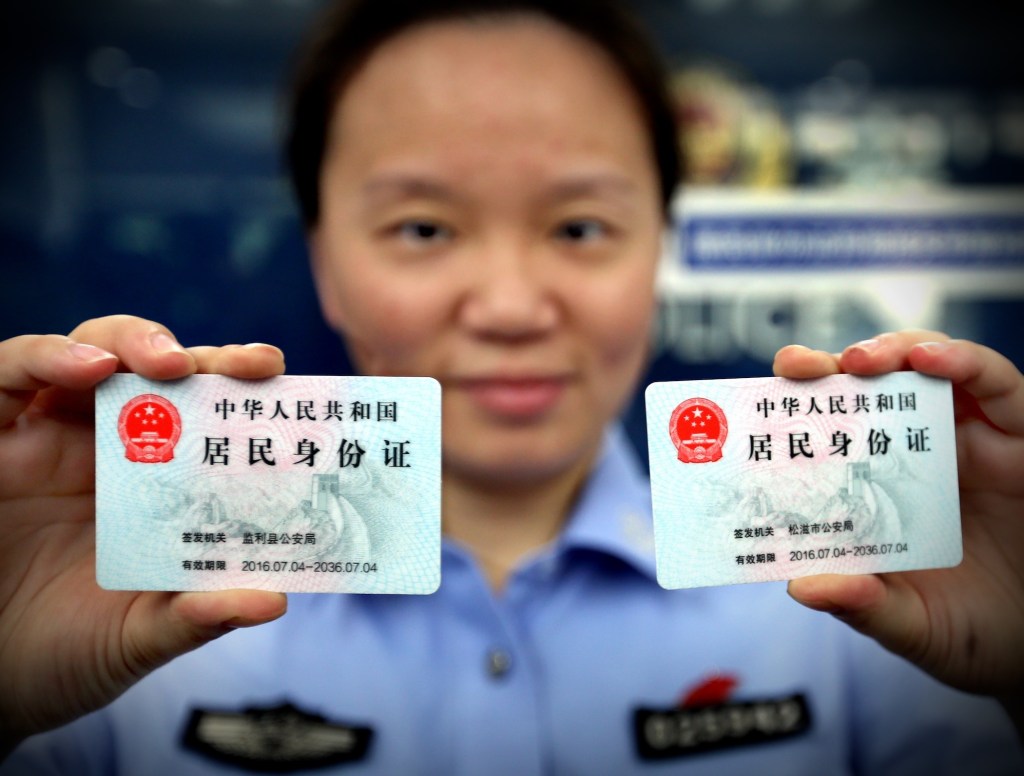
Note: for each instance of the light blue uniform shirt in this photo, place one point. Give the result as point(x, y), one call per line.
point(546, 677)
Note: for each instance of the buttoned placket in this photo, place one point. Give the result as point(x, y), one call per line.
point(499, 696)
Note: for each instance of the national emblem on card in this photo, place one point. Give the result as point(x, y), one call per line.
point(698, 429)
point(149, 427)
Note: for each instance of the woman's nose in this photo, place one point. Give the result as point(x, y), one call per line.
point(510, 296)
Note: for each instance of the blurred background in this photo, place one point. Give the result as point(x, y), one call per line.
point(856, 166)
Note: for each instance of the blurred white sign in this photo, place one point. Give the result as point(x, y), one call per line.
point(745, 273)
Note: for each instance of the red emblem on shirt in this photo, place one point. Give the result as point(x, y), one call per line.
point(713, 691)
point(150, 427)
point(698, 430)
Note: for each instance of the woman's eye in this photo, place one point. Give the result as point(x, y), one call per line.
point(422, 231)
point(582, 230)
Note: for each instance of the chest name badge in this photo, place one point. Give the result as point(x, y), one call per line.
point(276, 739)
point(662, 734)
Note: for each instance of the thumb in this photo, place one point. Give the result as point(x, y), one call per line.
point(880, 607)
point(166, 625)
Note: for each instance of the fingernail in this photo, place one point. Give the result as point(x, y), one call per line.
point(934, 347)
point(241, 622)
point(88, 353)
point(801, 348)
point(826, 607)
point(258, 345)
point(163, 344)
point(868, 345)
point(834, 609)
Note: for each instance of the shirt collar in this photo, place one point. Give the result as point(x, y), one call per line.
point(611, 517)
point(613, 513)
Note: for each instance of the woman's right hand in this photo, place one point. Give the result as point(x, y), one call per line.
point(68, 647)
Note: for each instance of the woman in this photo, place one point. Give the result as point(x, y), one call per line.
point(484, 186)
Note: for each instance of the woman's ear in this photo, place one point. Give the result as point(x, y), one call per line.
point(324, 281)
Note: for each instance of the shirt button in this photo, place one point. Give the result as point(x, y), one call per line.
point(499, 663)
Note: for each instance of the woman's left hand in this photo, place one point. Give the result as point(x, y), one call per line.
point(963, 625)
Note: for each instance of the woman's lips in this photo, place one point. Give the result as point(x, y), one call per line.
point(519, 398)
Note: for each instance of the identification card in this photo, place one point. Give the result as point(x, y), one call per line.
point(295, 484)
point(768, 479)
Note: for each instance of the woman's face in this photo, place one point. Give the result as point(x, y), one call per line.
point(490, 217)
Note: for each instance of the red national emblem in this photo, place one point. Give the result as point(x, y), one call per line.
point(150, 427)
point(698, 430)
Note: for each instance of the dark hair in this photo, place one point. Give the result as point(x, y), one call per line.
point(352, 29)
